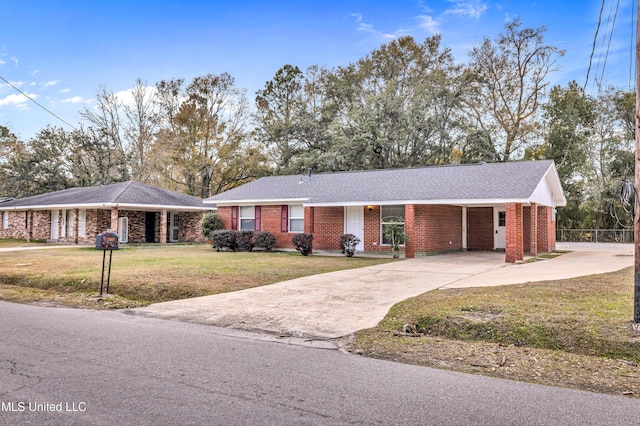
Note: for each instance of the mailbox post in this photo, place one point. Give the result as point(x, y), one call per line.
point(108, 240)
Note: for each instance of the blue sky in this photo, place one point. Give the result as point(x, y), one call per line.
point(62, 52)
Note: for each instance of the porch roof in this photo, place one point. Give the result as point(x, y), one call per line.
point(125, 195)
point(468, 184)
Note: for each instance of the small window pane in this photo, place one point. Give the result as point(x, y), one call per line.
point(388, 212)
point(247, 212)
point(296, 211)
point(502, 218)
point(296, 225)
point(247, 224)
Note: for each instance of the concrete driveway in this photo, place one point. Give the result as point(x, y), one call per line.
point(340, 303)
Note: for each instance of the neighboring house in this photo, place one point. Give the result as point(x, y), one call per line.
point(498, 206)
point(138, 213)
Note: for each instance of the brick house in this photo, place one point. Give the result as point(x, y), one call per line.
point(138, 213)
point(498, 206)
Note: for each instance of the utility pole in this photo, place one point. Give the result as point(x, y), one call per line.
point(636, 224)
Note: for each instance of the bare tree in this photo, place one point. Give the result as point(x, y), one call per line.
point(511, 80)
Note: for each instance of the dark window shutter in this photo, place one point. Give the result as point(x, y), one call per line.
point(284, 219)
point(258, 217)
point(234, 217)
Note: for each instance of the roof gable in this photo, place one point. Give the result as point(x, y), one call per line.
point(131, 193)
point(465, 184)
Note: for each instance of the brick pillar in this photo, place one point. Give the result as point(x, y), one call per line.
point(29, 226)
point(309, 220)
point(410, 230)
point(533, 226)
point(163, 226)
point(76, 227)
point(515, 236)
point(114, 219)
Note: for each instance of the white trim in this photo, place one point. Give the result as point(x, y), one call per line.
point(464, 228)
point(262, 201)
point(455, 202)
point(82, 223)
point(174, 227)
point(5, 220)
point(54, 224)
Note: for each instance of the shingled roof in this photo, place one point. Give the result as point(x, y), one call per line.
point(468, 184)
point(131, 194)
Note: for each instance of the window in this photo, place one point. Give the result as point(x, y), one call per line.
point(247, 218)
point(123, 229)
point(5, 220)
point(82, 223)
point(63, 225)
point(502, 218)
point(174, 227)
point(296, 219)
point(70, 220)
point(390, 215)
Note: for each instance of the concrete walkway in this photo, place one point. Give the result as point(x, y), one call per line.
point(340, 303)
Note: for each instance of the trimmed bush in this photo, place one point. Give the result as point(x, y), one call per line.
point(348, 242)
point(264, 239)
point(245, 240)
point(225, 238)
point(303, 243)
point(210, 222)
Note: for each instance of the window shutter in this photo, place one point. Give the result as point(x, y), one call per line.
point(284, 219)
point(234, 217)
point(258, 216)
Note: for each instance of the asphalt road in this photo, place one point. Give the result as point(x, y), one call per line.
point(71, 366)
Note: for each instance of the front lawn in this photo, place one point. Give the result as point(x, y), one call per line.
point(141, 275)
point(574, 332)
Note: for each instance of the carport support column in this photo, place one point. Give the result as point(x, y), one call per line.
point(29, 225)
point(410, 230)
point(114, 219)
point(163, 226)
point(533, 227)
point(515, 236)
point(76, 225)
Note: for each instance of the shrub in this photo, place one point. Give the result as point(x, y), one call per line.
point(303, 243)
point(264, 239)
point(210, 222)
point(244, 240)
point(348, 242)
point(225, 238)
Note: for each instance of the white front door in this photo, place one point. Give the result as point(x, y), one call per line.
point(499, 228)
point(354, 223)
point(54, 224)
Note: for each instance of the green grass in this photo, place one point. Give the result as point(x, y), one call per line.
point(141, 275)
point(587, 315)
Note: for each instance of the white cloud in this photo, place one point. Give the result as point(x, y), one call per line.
point(65, 90)
point(428, 24)
point(14, 60)
point(471, 8)
point(2, 62)
point(50, 83)
point(368, 28)
point(17, 100)
point(74, 100)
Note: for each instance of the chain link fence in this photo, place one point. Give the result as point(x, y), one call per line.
point(595, 235)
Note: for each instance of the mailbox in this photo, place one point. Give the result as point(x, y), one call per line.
point(108, 240)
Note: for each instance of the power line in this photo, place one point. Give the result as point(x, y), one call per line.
point(613, 25)
point(36, 102)
point(593, 48)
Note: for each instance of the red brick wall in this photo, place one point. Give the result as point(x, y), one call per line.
point(546, 230)
point(438, 228)
point(480, 228)
point(515, 232)
point(328, 226)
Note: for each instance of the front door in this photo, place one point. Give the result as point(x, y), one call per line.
point(150, 227)
point(354, 223)
point(55, 214)
point(499, 228)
